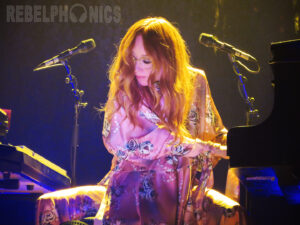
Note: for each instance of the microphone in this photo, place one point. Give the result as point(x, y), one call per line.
point(209, 40)
point(83, 47)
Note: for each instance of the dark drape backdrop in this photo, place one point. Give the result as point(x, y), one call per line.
point(42, 104)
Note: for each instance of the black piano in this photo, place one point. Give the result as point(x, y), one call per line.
point(265, 157)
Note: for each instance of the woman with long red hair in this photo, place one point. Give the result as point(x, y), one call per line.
point(162, 127)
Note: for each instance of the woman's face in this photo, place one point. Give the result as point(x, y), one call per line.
point(143, 62)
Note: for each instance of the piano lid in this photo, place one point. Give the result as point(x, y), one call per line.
point(285, 51)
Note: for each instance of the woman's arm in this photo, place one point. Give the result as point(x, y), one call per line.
point(205, 122)
point(124, 140)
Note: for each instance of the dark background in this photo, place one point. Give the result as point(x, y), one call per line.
point(42, 104)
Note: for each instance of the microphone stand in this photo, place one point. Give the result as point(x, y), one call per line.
point(251, 113)
point(72, 80)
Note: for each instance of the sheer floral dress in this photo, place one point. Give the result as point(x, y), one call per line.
point(151, 180)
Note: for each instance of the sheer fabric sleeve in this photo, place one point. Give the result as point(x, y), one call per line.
point(149, 141)
point(206, 124)
point(204, 121)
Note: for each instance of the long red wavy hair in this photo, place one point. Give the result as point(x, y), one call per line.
point(170, 55)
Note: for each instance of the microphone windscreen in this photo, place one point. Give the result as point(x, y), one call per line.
point(207, 40)
point(86, 45)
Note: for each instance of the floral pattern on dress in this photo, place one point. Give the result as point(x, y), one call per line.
point(146, 147)
point(106, 128)
point(210, 116)
point(143, 148)
point(121, 154)
point(193, 115)
point(132, 145)
point(179, 150)
point(149, 116)
point(146, 189)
